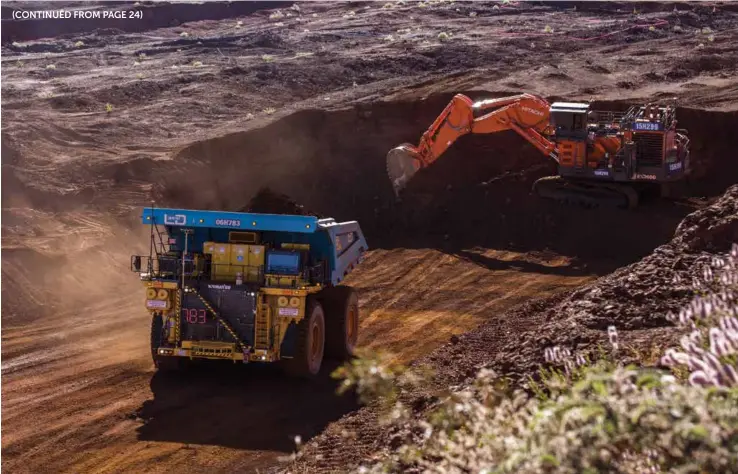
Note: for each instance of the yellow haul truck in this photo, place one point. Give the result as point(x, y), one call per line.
point(250, 287)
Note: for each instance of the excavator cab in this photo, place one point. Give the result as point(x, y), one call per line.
point(569, 120)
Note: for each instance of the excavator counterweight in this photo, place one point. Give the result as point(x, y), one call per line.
point(603, 157)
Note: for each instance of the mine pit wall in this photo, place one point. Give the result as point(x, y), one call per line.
point(334, 162)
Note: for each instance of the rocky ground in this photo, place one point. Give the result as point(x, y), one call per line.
point(636, 299)
point(205, 106)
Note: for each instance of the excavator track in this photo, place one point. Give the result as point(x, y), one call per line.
point(587, 194)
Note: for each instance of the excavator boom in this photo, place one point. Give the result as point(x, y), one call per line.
point(527, 114)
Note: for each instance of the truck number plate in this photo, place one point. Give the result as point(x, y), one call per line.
point(648, 126)
point(289, 311)
point(159, 304)
point(195, 316)
point(228, 222)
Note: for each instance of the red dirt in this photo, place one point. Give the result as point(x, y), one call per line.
point(206, 113)
point(635, 299)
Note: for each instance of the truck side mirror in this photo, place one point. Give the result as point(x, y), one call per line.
point(136, 263)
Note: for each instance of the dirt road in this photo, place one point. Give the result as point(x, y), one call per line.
point(306, 101)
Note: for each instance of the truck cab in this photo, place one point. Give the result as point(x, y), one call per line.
point(250, 287)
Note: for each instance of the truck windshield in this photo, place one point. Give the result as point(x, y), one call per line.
point(283, 263)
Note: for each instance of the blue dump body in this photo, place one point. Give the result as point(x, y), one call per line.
point(340, 243)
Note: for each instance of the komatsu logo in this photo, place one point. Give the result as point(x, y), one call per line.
point(675, 166)
point(601, 173)
point(533, 111)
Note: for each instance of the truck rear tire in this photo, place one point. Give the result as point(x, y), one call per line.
point(310, 345)
point(342, 322)
point(164, 364)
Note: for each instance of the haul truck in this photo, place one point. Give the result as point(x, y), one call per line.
point(250, 287)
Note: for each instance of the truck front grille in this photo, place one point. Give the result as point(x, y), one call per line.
point(236, 306)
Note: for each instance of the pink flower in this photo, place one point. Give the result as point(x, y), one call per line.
point(700, 378)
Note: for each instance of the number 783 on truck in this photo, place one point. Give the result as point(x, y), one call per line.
point(250, 287)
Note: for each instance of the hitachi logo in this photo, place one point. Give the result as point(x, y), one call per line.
point(533, 111)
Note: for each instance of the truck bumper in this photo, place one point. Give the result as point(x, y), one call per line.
point(215, 351)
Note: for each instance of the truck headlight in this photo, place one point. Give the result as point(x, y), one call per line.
point(295, 302)
point(162, 294)
point(282, 301)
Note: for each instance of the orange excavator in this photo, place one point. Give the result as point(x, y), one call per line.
point(604, 157)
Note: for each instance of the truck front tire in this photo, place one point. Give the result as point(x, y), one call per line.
point(310, 347)
point(342, 322)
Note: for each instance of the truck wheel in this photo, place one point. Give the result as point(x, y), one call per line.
point(310, 342)
point(342, 325)
point(157, 336)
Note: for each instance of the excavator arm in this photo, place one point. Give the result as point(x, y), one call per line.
point(527, 114)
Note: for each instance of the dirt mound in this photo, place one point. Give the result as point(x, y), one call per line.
point(711, 229)
point(640, 295)
point(267, 201)
point(635, 299)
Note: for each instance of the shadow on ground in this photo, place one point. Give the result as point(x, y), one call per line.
point(242, 407)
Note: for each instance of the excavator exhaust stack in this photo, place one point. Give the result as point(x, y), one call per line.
point(402, 164)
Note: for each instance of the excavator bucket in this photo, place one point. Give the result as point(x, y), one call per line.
point(402, 164)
